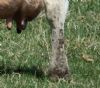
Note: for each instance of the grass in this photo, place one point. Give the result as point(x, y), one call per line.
point(23, 56)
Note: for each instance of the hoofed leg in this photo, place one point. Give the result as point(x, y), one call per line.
point(9, 22)
point(56, 14)
point(21, 25)
point(18, 29)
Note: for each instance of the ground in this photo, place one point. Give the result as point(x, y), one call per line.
point(24, 56)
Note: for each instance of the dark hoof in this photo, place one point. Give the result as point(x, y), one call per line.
point(8, 28)
point(19, 31)
point(56, 74)
point(23, 27)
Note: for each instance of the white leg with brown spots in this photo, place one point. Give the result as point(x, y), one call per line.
point(56, 11)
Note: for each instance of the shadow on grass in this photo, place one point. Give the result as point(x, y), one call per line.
point(23, 70)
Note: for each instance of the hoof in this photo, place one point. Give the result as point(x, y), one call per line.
point(56, 74)
point(19, 31)
point(8, 28)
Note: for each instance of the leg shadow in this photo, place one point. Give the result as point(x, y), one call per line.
point(38, 72)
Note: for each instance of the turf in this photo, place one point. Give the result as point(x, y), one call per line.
point(24, 57)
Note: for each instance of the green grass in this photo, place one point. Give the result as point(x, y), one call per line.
point(21, 55)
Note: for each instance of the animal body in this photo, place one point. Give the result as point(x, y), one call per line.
point(23, 11)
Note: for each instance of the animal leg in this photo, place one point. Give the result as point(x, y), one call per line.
point(18, 29)
point(9, 23)
point(56, 14)
point(21, 25)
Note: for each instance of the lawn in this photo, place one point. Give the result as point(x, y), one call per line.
point(24, 57)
